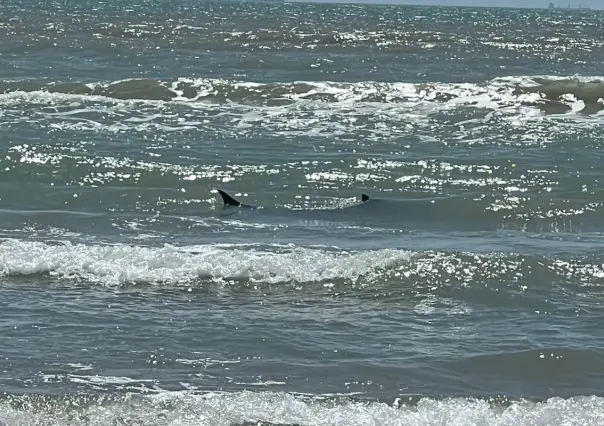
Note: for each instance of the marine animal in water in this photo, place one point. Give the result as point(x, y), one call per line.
point(407, 213)
point(232, 202)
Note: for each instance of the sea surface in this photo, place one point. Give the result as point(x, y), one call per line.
point(468, 290)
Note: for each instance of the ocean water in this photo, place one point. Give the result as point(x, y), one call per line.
point(468, 290)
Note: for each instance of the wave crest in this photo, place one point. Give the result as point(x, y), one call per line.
point(551, 95)
point(270, 408)
point(418, 272)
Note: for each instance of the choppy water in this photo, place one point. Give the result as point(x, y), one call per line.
point(467, 291)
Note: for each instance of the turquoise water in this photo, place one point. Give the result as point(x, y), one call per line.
point(467, 290)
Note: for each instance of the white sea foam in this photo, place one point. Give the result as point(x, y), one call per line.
point(377, 110)
point(125, 264)
point(192, 266)
point(227, 409)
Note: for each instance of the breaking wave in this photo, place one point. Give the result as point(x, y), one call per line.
point(124, 264)
point(121, 264)
point(550, 95)
point(281, 409)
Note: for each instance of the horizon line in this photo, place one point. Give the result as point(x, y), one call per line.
point(398, 3)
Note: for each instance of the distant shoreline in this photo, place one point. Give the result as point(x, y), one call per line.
point(395, 3)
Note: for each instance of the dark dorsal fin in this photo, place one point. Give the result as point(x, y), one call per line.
point(364, 197)
point(228, 200)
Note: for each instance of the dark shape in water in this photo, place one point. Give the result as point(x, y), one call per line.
point(580, 7)
point(230, 201)
point(386, 213)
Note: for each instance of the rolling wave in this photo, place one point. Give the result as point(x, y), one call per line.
point(283, 409)
point(121, 264)
point(550, 95)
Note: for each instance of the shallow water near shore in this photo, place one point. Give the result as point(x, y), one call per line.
point(468, 290)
